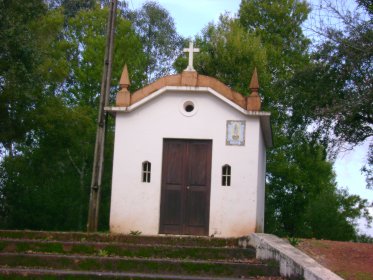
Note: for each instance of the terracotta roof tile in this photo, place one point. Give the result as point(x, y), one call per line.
point(193, 79)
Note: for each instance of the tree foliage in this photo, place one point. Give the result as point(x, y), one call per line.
point(161, 43)
point(45, 184)
point(29, 54)
point(215, 59)
point(300, 179)
point(335, 91)
point(51, 60)
point(278, 25)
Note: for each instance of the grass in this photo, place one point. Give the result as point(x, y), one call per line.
point(128, 265)
point(106, 237)
point(355, 275)
point(83, 249)
point(105, 257)
point(2, 246)
point(128, 250)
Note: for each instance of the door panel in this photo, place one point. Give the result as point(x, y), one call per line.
point(198, 164)
point(175, 154)
point(172, 208)
point(186, 176)
point(196, 208)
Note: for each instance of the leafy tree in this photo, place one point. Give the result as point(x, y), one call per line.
point(279, 26)
point(86, 31)
point(334, 93)
point(46, 184)
point(269, 35)
point(332, 215)
point(215, 58)
point(44, 187)
point(28, 55)
point(50, 96)
point(161, 43)
point(71, 7)
point(302, 197)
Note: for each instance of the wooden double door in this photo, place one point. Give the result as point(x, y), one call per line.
point(186, 180)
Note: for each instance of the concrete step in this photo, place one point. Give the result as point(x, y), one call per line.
point(151, 266)
point(199, 241)
point(125, 249)
point(22, 273)
point(78, 255)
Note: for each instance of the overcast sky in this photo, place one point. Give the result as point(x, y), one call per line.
point(192, 16)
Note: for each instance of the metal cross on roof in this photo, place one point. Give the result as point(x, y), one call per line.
point(190, 50)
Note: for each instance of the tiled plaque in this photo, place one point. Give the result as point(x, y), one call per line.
point(236, 133)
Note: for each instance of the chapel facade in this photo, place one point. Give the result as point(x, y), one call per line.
point(189, 157)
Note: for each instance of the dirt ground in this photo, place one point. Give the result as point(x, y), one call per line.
point(352, 261)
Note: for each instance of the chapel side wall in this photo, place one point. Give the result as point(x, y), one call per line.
point(233, 209)
point(139, 136)
point(132, 201)
point(261, 185)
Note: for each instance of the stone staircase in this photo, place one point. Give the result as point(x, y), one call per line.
point(66, 255)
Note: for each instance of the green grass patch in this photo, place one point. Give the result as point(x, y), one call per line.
point(83, 249)
point(363, 276)
point(49, 248)
point(23, 247)
point(2, 245)
point(89, 264)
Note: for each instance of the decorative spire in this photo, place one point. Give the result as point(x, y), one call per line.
point(124, 79)
point(253, 102)
point(123, 96)
point(254, 84)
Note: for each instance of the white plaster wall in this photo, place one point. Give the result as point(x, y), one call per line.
point(261, 185)
point(139, 137)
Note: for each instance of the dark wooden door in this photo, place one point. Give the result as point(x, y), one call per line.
point(186, 177)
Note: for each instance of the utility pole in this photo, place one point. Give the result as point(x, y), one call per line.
point(98, 161)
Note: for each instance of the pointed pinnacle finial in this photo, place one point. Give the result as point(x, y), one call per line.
point(124, 79)
point(253, 102)
point(254, 84)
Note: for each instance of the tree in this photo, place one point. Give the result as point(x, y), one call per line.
point(86, 31)
point(217, 44)
point(26, 59)
point(45, 185)
point(161, 43)
point(303, 199)
point(299, 177)
point(71, 7)
point(279, 26)
point(335, 92)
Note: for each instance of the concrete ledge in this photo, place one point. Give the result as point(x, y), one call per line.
point(293, 262)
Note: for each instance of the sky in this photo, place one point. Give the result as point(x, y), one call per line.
point(193, 15)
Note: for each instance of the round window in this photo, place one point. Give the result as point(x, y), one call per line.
point(188, 108)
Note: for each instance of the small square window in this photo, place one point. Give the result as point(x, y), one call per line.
point(146, 171)
point(226, 175)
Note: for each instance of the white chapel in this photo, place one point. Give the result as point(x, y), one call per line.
point(189, 157)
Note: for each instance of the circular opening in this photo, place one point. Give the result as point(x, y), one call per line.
point(189, 108)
